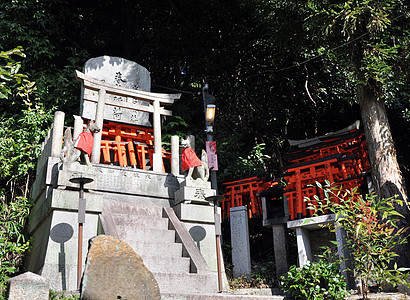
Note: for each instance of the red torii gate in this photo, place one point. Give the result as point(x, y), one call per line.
point(339, 157)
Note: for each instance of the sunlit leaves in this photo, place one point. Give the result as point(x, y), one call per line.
point(371, 224)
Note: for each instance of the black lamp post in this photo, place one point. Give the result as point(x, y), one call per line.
point(210, 109)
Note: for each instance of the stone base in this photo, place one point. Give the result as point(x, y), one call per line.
point(194, 213)
point(194, 194)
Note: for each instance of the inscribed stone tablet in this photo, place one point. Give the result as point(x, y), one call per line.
point(121, 72)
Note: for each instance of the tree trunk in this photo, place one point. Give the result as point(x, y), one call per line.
point(386, 174)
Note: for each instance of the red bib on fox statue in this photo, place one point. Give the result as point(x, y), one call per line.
point(85, 142)
point(189, 159)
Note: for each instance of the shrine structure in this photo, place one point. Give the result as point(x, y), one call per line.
point(337, 157)
point(128, 191)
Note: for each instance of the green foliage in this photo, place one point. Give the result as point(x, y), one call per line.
point(13, 241)
point(315, 281)
point(63, 296)
point(20, 143)
point(174, 125)
point(261, 277)
point(23, 128)
point(13, 83)
point(373, 228)
point(255, 163)
point(368, 26)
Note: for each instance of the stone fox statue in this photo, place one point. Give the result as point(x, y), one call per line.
point(192, 166)
point(81, 148)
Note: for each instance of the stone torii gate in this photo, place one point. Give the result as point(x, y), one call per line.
point(112, 102)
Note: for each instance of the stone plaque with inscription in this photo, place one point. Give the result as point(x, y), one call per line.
point(121, 72)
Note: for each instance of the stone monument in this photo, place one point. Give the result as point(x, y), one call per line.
point(62, 222)
point(121, 72)
point(241, 253)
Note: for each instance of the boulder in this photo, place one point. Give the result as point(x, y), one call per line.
point(114, 271)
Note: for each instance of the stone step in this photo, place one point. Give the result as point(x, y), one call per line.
point(130, 234)
point(167, 264)
point(185, 283)
point(156, 248)
point(140, 221)
point(221, 296)
point(146, 231)
point(123, 208)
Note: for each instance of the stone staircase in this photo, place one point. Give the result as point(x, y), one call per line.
point(154, 233)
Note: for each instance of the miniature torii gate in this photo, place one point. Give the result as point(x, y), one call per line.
point(124, 98)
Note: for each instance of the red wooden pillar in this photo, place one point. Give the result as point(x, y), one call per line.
point(298, 204)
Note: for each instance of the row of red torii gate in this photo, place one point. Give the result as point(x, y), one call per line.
point(340, 157)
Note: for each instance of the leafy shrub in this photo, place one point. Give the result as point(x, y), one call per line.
point(23, 127)
point(372, 227)
point(261, 277)
point(315, 280)
point(63, 296)
point(13, 243)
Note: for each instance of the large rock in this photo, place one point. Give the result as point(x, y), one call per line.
point(114, 271)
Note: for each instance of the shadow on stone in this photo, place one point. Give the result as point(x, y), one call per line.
point(60, 234)
point(198, 233)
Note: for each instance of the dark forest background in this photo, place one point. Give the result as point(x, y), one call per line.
point(260, 59)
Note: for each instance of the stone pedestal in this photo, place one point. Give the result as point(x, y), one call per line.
point(53, 224)
point(198, 217)
point(241, 253)
point(345, 257)
point(194, 191)
point(280, 249)
point(199, 221)
point(303, 242)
